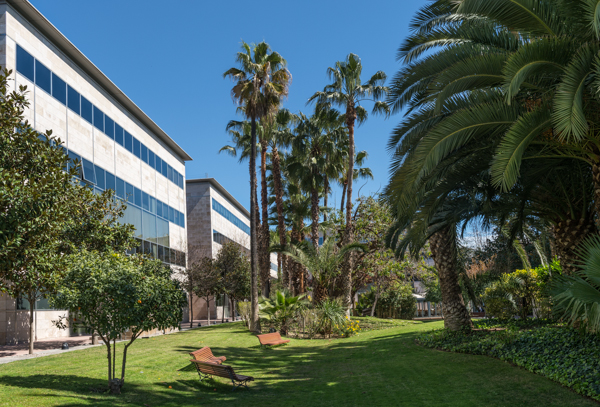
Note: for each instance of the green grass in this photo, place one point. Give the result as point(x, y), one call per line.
point(382, 367)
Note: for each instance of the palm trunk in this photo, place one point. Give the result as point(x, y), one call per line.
point(343, 197)
point(279, 205)
point(301, 268)
point(264, 258)
point(325, 196)
point(443, 251)
point(254, 319)
point(569, 234)
point(314, 210)
point(596, 178)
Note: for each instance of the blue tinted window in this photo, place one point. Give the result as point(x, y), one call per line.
point(88, 171)
point(162, 227)
point(159, 208)
point(109, 127)
point(158, 164)
point(120, 188)
point(151, 158)
point(171, 214)
point(129, 192)
point(152, 204)
point(128, 141)
point(145, 201)
point(59, 89)
point(25, 64)
point(182, 220)
point(144, 154)
point(74, 157)
point(137, 148)
point(110, 181)
point(137, 194)
point(170, 173)
point(100, 178)
point(119, 135)
point(43, 77)
point(164, 168)
point(176, 217)
point(98, 119)
point(180, 181)
point(74, 101)
point(86, 109)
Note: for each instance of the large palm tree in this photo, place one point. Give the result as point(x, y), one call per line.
point(348, 92)
point(262, 81)
point(317, 139)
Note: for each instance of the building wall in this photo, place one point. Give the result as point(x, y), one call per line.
point(78, 135)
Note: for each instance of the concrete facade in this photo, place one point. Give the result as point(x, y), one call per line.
point(213, 214)
point(25, 36)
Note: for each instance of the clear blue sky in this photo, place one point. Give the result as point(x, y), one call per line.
point(169, 57)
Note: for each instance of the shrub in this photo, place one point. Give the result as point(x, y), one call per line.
point(280, 311)
point(244, 311)
point(348, 328)
point(561, 354)
point(331, 313)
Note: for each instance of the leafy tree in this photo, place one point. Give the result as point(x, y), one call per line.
point(202, 279)
point(233, 268)
point(44, 212)
point(261, 82)
point(111, 293)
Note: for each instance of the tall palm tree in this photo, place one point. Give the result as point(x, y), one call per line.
point(359, 173)
point(313, 145)
point(347, 91)
point(262, 81)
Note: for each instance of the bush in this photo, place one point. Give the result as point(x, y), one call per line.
point(396, 301)
point(561, 354)
point(331, 313)
point(280, 311)
point(244, 311)
point(348, 328)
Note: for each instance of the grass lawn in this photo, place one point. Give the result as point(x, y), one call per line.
point(382, 367)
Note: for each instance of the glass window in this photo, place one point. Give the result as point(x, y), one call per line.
point(167, 255)
point(133, 216)
point(176, 217)
point(59, 89)
point(129, 192)
point(121, 188)
point(25, 64)
point(147, 248)
point(100, 183)
point(149, 226)
point(162, 231)
point(159, 208)
point(164, 168)
point(181, 219)
point(109, 127)
point(183, 259)
point(154, 249)
point(172, 256)
point(171, 215)
point(137, 195)
point(98, 119)
point(88, 171)
point(144, 154)
point(137, 148)
point(74, 158)
point(110, 181)
point(74, 101)
point(152, 204)
point(43, 77)
point(151, 156)
point(145, 201)
point(180, 181)
point(170, 173)
point(161, 253)
point(86, 109)
point(119, 135)
point(158, 164)
point(128, 142)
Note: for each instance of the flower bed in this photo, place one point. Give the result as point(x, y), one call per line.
point(562, 354)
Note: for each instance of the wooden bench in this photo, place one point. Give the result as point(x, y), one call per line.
point(206, 355)
point(271, 339)
point(210, 369)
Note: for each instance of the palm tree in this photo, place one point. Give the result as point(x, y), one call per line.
point(347, 91)
point(313, 145)
point(323, 264)
point(261, 82)
point(359, 173)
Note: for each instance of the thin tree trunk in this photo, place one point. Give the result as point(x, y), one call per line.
point(279, 205)
point(443, 251)
point(314, 210)
point(375, 302)
point(208, 309)
point(223, 313)
point(343, 197)
point(325, 196)
point(109, 356)
point(279, 266)
point(114, 356)
point(264, 258)
point(254, 321)
point(191, 310)
point(31, 323)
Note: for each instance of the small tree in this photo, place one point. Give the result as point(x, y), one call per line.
point(112, 294)
point(207, 280)
point(192, 276)
point(234, 268)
